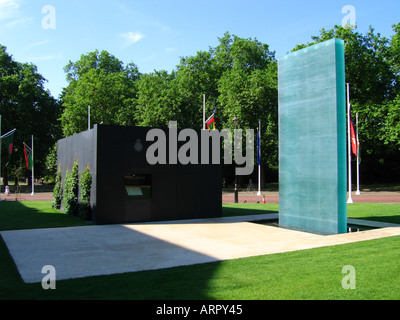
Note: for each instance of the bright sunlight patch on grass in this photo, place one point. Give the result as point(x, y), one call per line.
point(384, 212)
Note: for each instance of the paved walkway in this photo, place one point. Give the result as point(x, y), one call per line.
point(100, 250)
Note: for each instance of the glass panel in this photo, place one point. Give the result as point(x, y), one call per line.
point(312, 139)
point(138, 186)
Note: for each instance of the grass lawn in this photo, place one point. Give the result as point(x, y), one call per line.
point(34, 215)
point(385, 212)
point(308, 274)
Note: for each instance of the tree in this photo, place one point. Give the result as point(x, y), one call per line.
point(28, 107)
point(248, 89)
point(394, 54)
point(100, 81)
point(71, 187)
point(251, 98)
point(391, 130)
point(197, 76)
point(158, 100)
point(85, 187)
point(99, 61)
point(208, 72)
point(245, 54)
point(58, 191)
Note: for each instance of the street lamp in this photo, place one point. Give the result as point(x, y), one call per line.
point(235, 122)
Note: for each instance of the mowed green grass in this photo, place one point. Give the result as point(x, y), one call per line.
point(308, 274)
point(34, 215)
point(384, 212)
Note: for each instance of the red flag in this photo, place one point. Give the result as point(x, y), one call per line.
point(211, 123)
point(28, 157)
point(353, 139)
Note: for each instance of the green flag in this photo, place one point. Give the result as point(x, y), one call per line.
point(8, 141)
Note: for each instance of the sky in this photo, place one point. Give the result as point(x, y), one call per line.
point(155, 34)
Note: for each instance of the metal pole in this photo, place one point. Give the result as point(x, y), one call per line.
point(33, 175)
point(88, 118)
point(204, 112)
point(235, 120)
point(349, 200)
point(259, 165)
point(0, 157)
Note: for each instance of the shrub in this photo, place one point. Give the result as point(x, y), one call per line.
point(71, 191)
point(85, 186)
point(58, 191)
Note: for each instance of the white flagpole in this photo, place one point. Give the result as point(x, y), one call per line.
point(349, 200)
point(33, 176)
point(259, 165)
point(358, 192)
point(8, 134)
point(0, 157)
point(204, 112)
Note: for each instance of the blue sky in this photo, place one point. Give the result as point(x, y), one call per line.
point(154, 34)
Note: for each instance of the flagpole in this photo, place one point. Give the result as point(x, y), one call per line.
point(358, 192)
point(349, 200)
point(9, 133)
point(259, 155)
point(204, 112)
point(0, 156)
point(33, 179)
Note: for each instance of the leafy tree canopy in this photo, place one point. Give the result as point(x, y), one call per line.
point(98, 80)
point(28, 107)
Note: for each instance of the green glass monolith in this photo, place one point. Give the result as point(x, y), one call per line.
point(312, 139)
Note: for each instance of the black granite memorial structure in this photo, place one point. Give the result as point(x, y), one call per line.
point(127, 189)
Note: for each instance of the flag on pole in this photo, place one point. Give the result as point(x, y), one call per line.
point(211, 122)
point(354, 144)
point(28, 157)
point(8, 140)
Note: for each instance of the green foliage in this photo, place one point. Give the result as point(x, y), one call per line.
point(51, 162)
point(58, 191)
point(85, 186)
point(27, 106)
point(158, 100)
point(100, 81)
point(71, 185)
